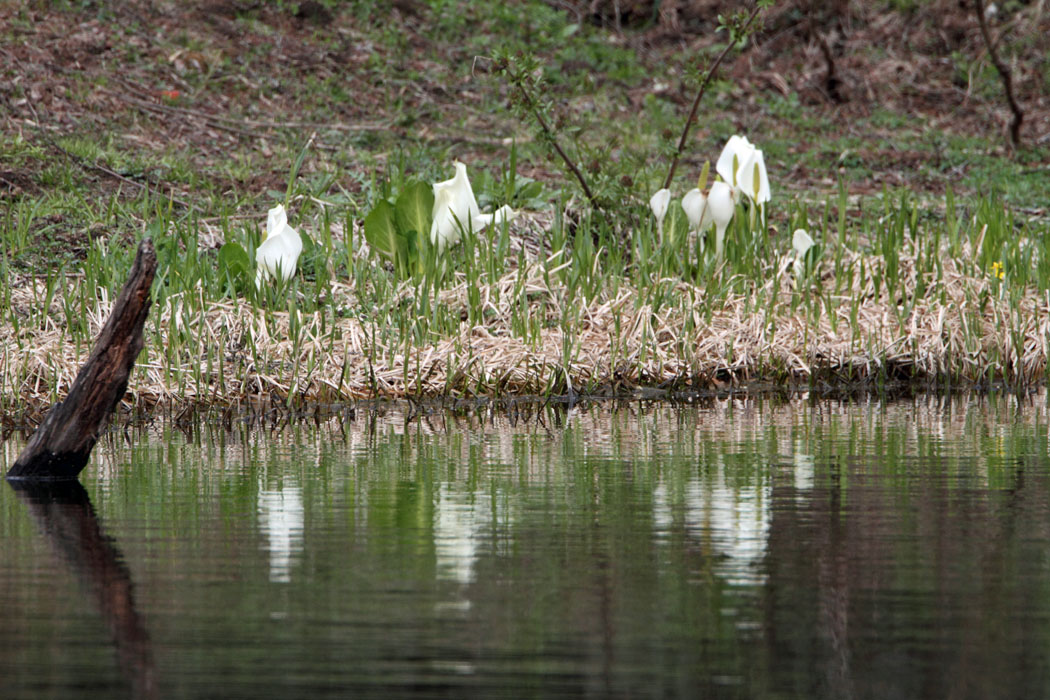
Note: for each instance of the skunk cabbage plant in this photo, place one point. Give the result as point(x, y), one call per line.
point(659, 203)
point(277, 255)
point(456, 210)
point(743, 167)
point(801, 244)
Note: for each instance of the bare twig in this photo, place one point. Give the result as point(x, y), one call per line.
point(700, 94)
point(548, 134)
point(1004, 73)
point(532, 105)
point(84, 163)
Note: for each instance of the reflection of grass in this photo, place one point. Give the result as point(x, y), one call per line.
point(901, 288)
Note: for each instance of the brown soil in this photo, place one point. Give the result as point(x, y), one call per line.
point(152, 72)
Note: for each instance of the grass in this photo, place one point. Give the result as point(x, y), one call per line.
point(914, 279)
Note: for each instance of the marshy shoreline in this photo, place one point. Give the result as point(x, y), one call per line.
point(514, 339)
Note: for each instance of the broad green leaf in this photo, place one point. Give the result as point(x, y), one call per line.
point(380, 230)
point(401, 262)
point(529, 190)
point(415, 252)
point(233, 261)
point(414, 208)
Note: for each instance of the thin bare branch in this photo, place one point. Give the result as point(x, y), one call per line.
point(1004, 73)
point(699, 96)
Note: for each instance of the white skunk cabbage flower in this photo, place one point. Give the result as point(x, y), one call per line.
point(444, 231)
point(695, 205)
point(456, 209)
point(743, 167)
point(279, 251)
point(720, 209)
point(502, 215)
point(801, 242)
point(659, 203)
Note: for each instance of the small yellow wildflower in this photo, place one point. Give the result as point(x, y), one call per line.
point(997, 270)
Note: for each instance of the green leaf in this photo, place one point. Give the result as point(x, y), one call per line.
point(234, 266)
point(414, 208)
point(312, 254)
point(380, 229)
point(701, 182)
point(234, 263)
point(415, 252)
point(401, 262)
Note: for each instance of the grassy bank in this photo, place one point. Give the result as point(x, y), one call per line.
point(187, 124)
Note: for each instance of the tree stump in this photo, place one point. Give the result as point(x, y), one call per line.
point(61, 446)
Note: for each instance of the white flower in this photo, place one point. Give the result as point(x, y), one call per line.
point(695, 205)
point(444, 231)
point(801, 242)
point(659, 203)
point(716, 208)
point(720, 209)
point(456, 209)
point(749, 174)
point(499, 217)
point(279, 251)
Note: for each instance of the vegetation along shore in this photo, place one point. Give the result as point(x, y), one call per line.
point(355, 200)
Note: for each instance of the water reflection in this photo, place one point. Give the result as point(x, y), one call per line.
point(733, 521)
point(741, 549)
point(459, 519)
point(803, 473)
point(64, 515)
point(726, 518)
point(281, 517)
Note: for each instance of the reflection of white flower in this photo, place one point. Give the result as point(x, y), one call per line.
point(734, 520)
point(279, 251)
point(801, 242)
point(804, 468)
point(662, 518)
point(458, 523)
point(281, 518)
point(456, 210)
point(743, 167)
point(659, 203)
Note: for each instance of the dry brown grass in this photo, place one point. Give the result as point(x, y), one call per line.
point(948, 336)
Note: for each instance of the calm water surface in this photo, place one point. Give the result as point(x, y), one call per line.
point(749, 548)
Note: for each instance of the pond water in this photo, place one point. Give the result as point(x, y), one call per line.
point(743, 548)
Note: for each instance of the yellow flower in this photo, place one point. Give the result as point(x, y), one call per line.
point(997, 270)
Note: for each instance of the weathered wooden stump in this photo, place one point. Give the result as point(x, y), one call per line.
point(60, 447)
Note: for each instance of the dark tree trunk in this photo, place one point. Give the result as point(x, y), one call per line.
point(60, 447)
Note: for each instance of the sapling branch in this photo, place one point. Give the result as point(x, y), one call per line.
point(700, 93)
point(548, 135)
point(531, 104)
point(1004, 73)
